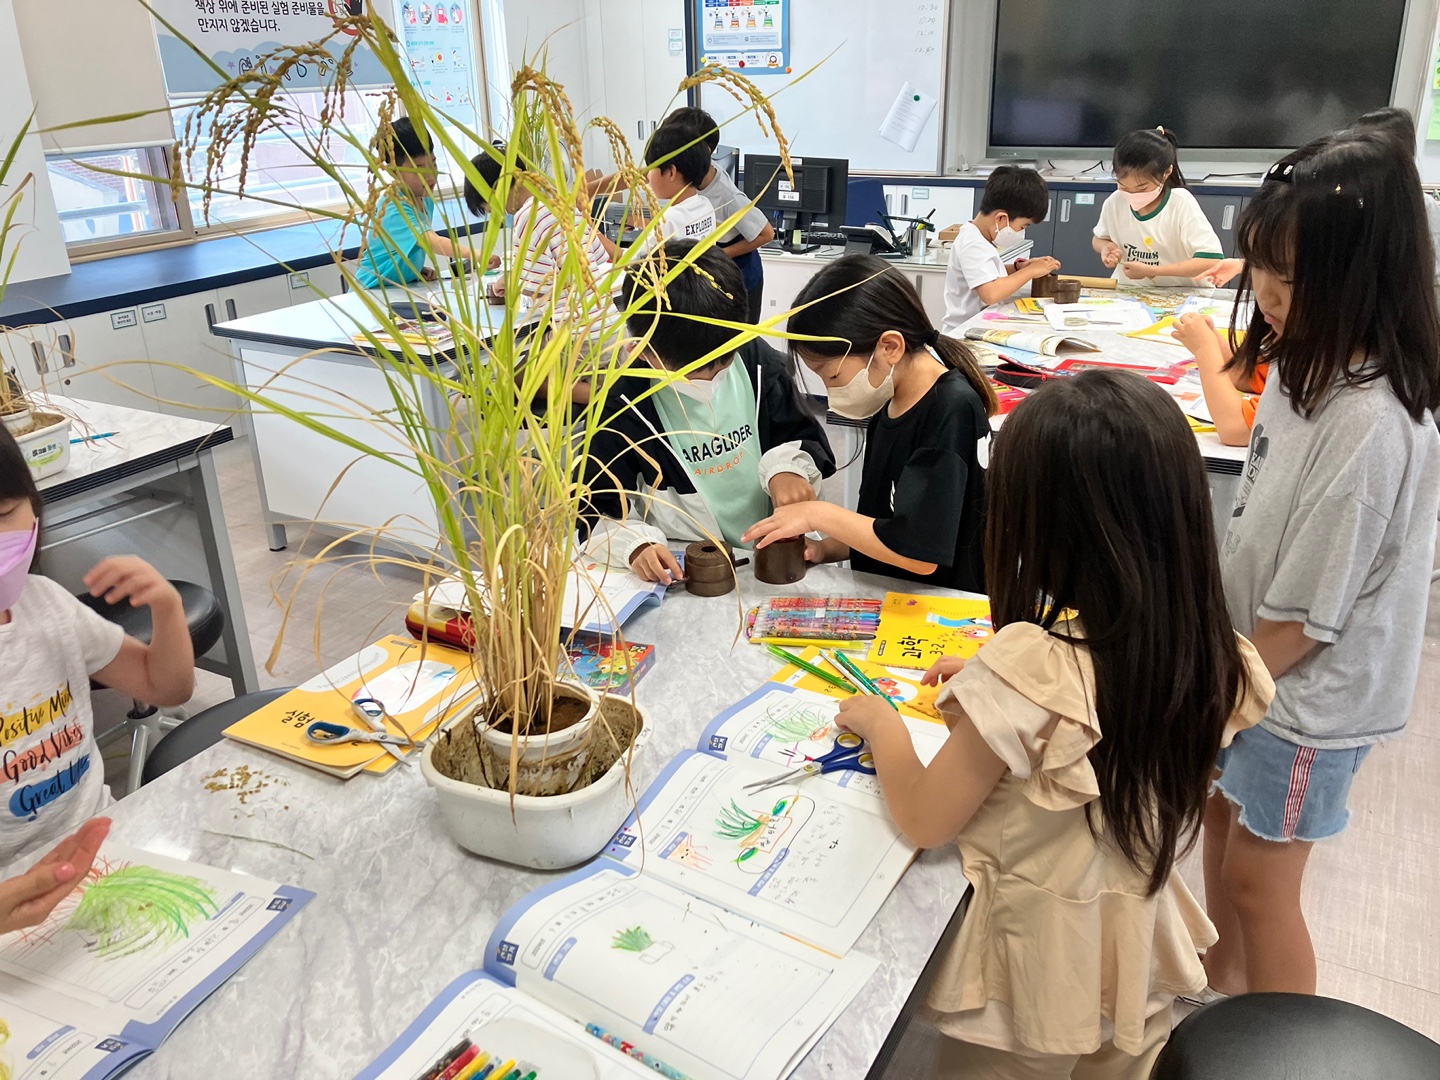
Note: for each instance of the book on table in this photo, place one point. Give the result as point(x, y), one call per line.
point(917, 630)
point(1036, 341)
point(122, 960)
point(714, 933)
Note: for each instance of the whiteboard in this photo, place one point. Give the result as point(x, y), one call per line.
point(836, 110)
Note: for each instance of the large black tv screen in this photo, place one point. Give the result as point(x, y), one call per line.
point(1224, 74)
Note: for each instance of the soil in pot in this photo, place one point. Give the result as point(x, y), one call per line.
point(565, 713)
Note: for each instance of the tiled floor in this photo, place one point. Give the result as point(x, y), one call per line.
point(1369, 893)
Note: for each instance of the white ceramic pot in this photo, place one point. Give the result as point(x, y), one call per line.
point(550, 763)
point(16, 422)
point(47, 449)
point(546, 832)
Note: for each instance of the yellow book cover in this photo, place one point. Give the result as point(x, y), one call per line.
point(915, 631)
point(901, 687)
point(1157, 331)
point(419, 686)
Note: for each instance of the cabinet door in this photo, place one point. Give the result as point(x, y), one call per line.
point(254, 297)
point(1042, 233)
point(317, 282)
point(87, 358)
point(177, 331)
point(1223, 211)
point(664, 70)
point(930, 284)
point(624, 77)
point(1076, 215)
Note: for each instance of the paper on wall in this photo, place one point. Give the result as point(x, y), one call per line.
point(906, 118)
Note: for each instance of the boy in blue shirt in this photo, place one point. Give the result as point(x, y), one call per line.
point(399, 239)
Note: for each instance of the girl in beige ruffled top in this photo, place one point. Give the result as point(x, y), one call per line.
point(1082, 740)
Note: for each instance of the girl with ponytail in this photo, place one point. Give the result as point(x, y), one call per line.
point(861, 328)
point(1152, 228)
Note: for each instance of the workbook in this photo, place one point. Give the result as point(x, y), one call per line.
point(1036, 341)
point(694, 989)
point(916, 630)
point(420, 685)
point(124, 959)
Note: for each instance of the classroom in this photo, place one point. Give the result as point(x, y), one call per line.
point(720, 539)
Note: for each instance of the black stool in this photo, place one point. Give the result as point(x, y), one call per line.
point(203, 731)
point(1294, 1037)
point(145, 723)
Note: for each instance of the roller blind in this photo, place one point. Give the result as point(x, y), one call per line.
point(91, 58)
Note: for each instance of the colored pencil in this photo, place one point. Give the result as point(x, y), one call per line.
point(805, 665)
point(865, 680)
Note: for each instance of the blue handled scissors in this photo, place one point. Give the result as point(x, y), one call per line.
point(322, 731)
point(849, 752)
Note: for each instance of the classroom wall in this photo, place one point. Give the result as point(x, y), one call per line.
point(41, 251)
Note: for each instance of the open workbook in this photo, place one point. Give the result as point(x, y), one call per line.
point(713, 934)
point(125, 958)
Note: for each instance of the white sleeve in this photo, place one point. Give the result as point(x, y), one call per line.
point(1197, 235)
point(788, 458)
point(751, 225)
point(978, 266)
point(97, 638)
point(613, 542)
point(1105, 227)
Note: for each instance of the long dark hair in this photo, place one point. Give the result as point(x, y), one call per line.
point(1149, 152)
point(18, 482)
point(1099, 504)
point(858, 298)
point(1343, 219)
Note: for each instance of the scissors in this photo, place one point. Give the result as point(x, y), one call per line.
point(850, 752)
point(322, 731)
point(372, 712)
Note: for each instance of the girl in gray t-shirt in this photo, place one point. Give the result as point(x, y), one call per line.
point(1328, 555)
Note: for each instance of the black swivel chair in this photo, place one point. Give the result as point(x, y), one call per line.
point(203, 731)
point(1294, 1037)
point(144, 723)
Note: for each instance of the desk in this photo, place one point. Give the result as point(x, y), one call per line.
point(306, 357)
point(152, 491)
point(400, 909)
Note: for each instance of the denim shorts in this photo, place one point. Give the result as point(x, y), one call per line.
point(1285, 791)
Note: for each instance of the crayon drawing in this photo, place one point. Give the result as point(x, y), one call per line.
point(5, 1071)
point(637, 940)
point(760, 834)
point(688, 853)
point(788, 722)
point(128, 908)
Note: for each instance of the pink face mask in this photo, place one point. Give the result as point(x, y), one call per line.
point(16, 551)
point(1138, 200)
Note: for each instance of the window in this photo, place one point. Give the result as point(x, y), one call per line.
point(96, 207)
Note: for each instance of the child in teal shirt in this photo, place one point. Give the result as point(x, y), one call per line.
point(398, 241)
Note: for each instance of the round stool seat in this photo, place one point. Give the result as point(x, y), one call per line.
point(203, 731)
point(1294, 1037)
point(202, 614)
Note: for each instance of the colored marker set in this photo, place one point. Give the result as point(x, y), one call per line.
point(466, 1061)
point(630, 1050)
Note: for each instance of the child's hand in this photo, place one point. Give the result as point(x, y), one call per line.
point(656, 562)
point(429, 273)
point(494, 263)
point(27, 900)
point(125, 575)
point(796, 519)
point(1041, 267)
point(1197, 333)
point(1111, 254)
point(943, 670)
point(1221, 272)
point(1137, 271)
point(826, 550)
point(863, 713)
point(789, 487)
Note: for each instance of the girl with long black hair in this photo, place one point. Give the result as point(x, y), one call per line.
point(861, 328)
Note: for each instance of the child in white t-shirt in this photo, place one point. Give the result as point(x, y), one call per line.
point(976, 277)
point(1151, 228)
point(679, 162)
point(51, 646)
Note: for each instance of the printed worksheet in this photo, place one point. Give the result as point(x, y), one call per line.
point(787, 725)
point(707, 992)
point(801, 857)
point(126, 957)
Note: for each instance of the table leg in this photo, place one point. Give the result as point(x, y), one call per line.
point(224, 582)
point(278, 540)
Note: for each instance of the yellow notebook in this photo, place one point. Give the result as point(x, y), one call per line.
point(901, 687)
point(419, 685)
point(915, 631)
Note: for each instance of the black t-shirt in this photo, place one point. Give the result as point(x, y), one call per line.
point(923, 485)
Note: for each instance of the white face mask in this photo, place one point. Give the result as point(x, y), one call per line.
point(857, 399)
point(1007, 237)
point(702, 389)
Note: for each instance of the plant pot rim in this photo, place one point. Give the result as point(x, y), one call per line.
point(437, 779)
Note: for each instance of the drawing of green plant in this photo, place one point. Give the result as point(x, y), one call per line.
point(737, 824)
point(133, 907)
point(5, 1072)
point(796, 725)
point(637, 939)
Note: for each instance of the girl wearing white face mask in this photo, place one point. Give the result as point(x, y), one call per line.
point(920, 514)
point(51, 646)
point(1151, 228)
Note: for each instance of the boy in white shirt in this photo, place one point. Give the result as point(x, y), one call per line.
point(678, 164)
point(976, 277)
point(1151, 228)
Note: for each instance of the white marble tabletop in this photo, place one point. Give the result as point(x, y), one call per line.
point(401, 910)
point(141, 437)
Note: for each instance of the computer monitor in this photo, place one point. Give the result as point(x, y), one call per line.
point(814, 203)
point(727, 160)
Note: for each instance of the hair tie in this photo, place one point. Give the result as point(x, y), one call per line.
point(934, 339)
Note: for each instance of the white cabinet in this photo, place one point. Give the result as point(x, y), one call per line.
point(179, 343)
point(930, 284)
point(315, 283)
point(92, 357)
point(638, 75)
